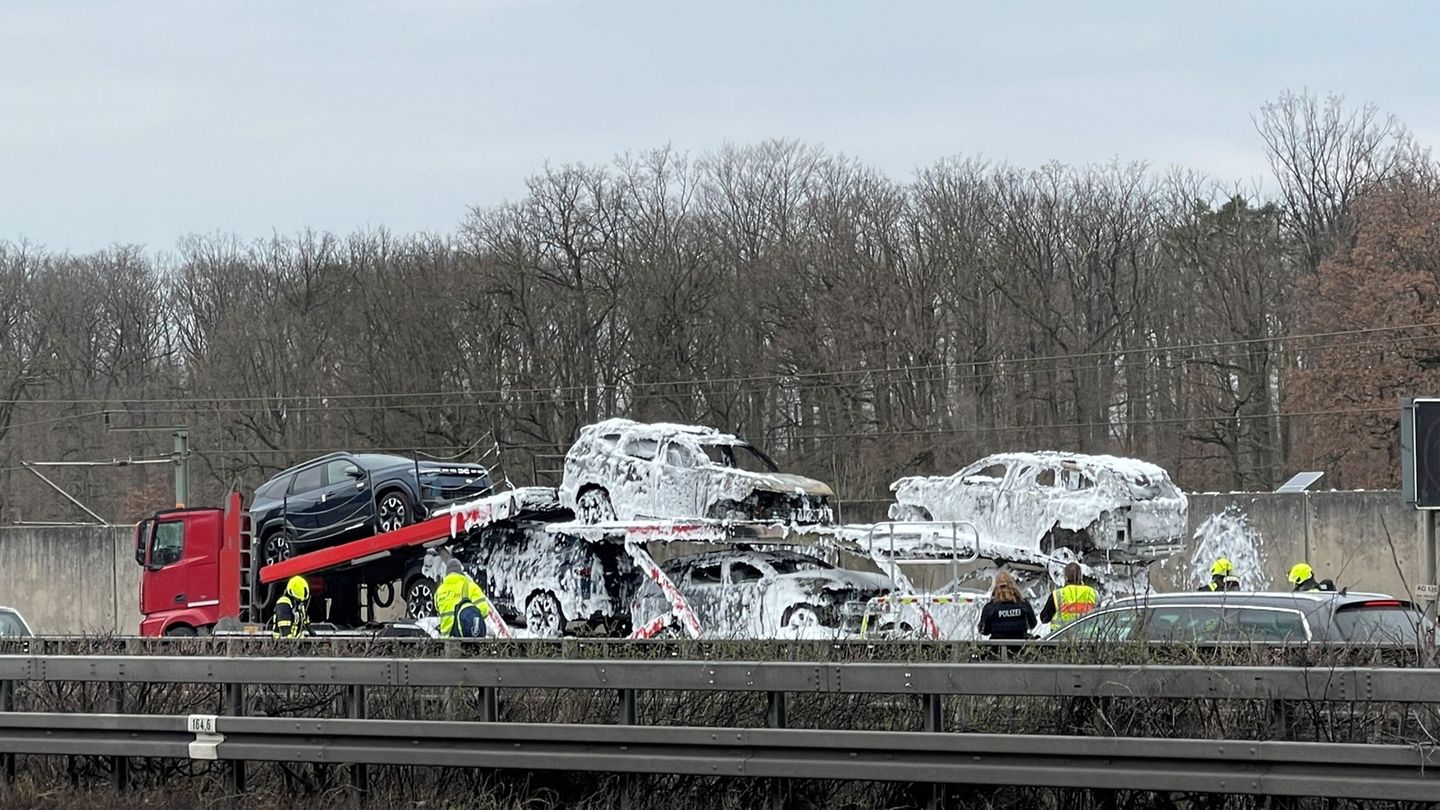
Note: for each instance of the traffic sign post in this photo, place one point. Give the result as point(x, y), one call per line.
point(1420, 480)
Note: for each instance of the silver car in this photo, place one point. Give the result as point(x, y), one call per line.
point(13, 625)
point(1095, 506)
point(624, 470)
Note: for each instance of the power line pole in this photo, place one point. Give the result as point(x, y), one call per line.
point(180, 457)
point(182, 468)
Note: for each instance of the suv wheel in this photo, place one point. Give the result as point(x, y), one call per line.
point(278, 547)
point(420, 597)
point(593, 506)
point(543, 617)
point(393, 511)
point(802, 616)
point(909, 513)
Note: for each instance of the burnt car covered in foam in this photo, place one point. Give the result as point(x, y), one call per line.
point(1098, 507)
point(624, 470)
point(765, 594)
point(550, 581)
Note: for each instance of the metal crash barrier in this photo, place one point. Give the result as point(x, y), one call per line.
point(930, 755)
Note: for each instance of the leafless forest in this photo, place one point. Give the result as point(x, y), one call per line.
point(859, 326)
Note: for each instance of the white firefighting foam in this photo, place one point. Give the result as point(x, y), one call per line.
point(1229, 534)
point(667, 471)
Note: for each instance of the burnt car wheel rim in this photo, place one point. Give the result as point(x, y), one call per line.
point(542, 615)
point(278, 548)
point(803, 616)
point(594, 506)
point(420, 600)
point(393, 513)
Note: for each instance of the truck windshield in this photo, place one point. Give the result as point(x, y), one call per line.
point(167, 543)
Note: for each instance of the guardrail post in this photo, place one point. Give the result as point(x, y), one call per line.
point(489, 704)
point(627, 718)
point(775, 718)
point(7, 704)
point(234, 696)
point(119, 766)
point(932, 708)
point(356, 709)
point(627, 707)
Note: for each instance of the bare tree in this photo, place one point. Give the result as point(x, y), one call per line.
point(1324, 156)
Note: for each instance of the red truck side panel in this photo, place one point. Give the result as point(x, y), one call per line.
point(231, 566)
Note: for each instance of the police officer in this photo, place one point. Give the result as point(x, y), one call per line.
point(1007, 615)
point(1070, 602)
point(1302, 577)
point(292, 610)
point(1222, 577)
point(461, 604)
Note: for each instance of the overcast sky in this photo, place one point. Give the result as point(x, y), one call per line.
point(140, 121)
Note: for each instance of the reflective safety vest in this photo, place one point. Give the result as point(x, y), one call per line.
point(1072, 602)
point(455, 592)
point(291, 619)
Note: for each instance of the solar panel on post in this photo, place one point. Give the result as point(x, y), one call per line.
point(1422, 465)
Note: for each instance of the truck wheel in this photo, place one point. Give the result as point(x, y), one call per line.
point(420, 597)
point(593, 506)
point(393, 511)
point(543, 617)
point(180, 631)
point(278, 546)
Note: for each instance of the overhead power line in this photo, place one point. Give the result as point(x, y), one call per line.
point(771, 377)
point(861, 434)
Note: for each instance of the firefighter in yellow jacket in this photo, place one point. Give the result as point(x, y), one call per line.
point(292, 610)
point(461, 604)
point(1070, 602)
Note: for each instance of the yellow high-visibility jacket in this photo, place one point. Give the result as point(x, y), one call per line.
point(456, 591)
point(1072, 602)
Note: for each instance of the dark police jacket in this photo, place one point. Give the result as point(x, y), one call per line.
point(1007, 620)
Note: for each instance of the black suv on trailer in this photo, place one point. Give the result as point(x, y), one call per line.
point(345, 496)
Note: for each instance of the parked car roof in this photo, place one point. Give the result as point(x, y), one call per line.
point(1325, 616)
point(1267, 598)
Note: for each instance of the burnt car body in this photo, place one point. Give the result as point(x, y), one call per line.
point(624, 470)
point(1266, 617)
point(345, 496)
point(550, 581)
point(1098, 507)
point(761, 594)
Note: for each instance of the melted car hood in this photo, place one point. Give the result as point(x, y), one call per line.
point(839, 579)
point(782, 482)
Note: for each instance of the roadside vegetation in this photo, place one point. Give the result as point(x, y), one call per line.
point(156, 782)
point(861, 327)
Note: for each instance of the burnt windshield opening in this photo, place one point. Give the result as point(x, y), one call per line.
point(740, 457)
point(785, 565)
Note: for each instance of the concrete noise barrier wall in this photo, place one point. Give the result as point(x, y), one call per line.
point(83, 579)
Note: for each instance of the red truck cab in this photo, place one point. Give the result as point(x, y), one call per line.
point(194, 569)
